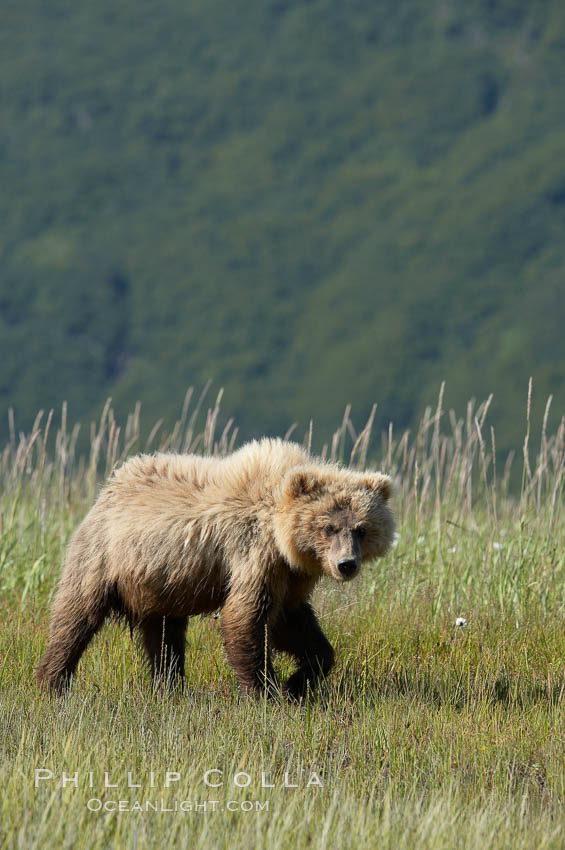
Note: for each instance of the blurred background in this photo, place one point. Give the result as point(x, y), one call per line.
point(308, 203)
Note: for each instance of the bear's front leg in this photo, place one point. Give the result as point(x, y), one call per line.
point(298, 632)
point(245, 616)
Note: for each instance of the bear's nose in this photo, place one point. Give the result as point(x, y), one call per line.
point(347, 566)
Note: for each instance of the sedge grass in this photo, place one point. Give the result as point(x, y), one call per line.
point(426, 734)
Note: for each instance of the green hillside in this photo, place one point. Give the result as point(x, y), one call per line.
point(308, 203)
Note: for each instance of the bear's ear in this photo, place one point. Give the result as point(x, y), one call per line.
point(380, 485)
point(303, 483)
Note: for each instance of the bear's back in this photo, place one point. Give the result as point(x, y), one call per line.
point(162, 468)
point(247, 474)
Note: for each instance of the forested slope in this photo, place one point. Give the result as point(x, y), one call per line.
point(308, 203)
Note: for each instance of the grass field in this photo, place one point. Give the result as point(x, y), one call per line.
point(428, 734)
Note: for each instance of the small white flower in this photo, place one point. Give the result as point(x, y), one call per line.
point(452, 549)
point(395, 539)
point(421, 539)
point(496, 545)
point(461, 622)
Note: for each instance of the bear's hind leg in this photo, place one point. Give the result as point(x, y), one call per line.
point(73, 626)
point(298, 632)
point(164, 639)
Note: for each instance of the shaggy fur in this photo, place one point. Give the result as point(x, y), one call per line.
point(172, 535)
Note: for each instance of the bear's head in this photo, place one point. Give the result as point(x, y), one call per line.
point(330, 520)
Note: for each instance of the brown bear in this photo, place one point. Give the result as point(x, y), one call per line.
point(174, 535)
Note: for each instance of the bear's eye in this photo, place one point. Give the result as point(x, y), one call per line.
point(329, 530)
point(361, 532)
